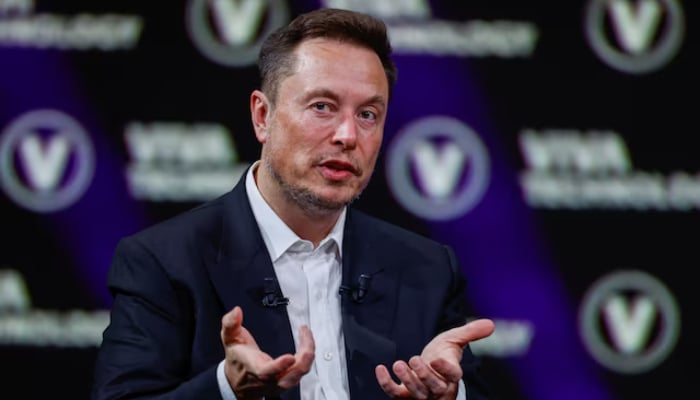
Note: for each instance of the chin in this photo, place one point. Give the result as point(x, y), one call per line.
point(335, 200)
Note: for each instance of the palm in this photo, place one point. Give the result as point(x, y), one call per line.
point(444, 352)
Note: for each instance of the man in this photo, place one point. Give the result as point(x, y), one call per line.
point(278, 289)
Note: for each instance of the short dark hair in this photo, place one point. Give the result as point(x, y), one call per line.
point(276, 59)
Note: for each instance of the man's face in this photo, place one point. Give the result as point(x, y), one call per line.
point(323, 134)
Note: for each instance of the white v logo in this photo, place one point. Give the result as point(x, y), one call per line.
point(237, 20)
point(635, 28)
point(629, 322)
point(44, 167)
point(438, 169)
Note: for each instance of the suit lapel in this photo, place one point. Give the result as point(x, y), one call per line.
point(367, 325)
point(238, 263)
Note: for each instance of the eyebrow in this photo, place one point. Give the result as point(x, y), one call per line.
point(378, 99)
point(321, 93)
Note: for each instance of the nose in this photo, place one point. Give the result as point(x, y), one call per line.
point(346, 133)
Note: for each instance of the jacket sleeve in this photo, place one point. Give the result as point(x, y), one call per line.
point(145, 349)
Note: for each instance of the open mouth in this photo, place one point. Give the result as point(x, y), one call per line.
point(337, 169)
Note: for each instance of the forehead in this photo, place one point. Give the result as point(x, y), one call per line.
point(323, 61)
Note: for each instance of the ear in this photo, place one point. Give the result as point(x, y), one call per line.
point(259, 111)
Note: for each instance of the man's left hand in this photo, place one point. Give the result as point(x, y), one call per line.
point(435, 374)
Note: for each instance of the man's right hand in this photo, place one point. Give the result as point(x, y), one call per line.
point(254, 374)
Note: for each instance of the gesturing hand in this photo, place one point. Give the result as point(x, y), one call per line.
point(435, 374)
point(253, 373)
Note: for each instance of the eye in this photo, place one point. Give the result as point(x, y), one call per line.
point(321, 106)
point(368, 115)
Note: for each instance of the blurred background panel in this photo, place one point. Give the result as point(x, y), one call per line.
point(552, 144)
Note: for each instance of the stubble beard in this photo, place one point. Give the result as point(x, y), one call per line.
point(305, 198)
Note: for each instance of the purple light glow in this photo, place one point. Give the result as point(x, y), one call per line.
point(35, 79)
point(509, 275)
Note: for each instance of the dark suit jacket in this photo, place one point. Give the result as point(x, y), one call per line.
point(174, 281)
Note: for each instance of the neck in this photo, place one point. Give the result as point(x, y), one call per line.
point(313, 228)
point(307, 223)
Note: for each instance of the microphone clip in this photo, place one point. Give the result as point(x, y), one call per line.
point(358, 292)
point(271, 296)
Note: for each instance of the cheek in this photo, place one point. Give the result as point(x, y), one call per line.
point(290, 152)
point(296, 135)
point(371, 147)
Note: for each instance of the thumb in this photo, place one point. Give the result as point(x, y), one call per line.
point(469, 332)
point(231, 324)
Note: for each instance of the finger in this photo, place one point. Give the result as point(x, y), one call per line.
point(433, 381)
point(410, 380)
point(291, 376)
point(233, 331)
point(303, 359)
point(273, 369)
point(307, 349)
point(230, 324)
point(473, 330)
point(450, 371)
point(391, 388)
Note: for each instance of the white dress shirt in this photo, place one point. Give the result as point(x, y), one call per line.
point(310, 278)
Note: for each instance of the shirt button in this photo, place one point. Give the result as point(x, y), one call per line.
point(328, 355)
point(319, 296)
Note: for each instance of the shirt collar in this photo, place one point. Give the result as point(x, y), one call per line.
point(276, 234)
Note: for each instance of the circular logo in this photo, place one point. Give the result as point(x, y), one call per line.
point(47, 160)
point(634, 36)
point(629, 321)
point(231, 32)
point(438, 168)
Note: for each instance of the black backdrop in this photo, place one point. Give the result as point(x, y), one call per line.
point(552, 144)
